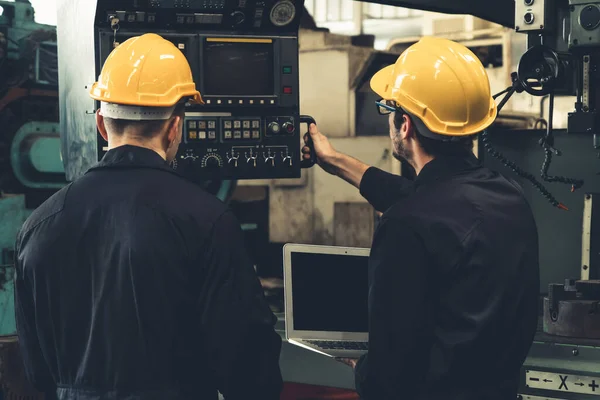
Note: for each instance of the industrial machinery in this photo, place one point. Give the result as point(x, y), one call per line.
point(244, 58)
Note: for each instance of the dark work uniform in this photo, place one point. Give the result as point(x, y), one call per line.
point(133, 283)
point(454, 285)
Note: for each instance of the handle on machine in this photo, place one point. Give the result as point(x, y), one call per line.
point(308, 163)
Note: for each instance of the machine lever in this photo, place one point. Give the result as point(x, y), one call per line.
point(308, 163)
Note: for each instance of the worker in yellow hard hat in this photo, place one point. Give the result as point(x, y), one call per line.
point(454, 276)
point(133, 283)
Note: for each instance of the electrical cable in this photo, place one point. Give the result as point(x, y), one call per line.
point(485, 140)
point(547, 142)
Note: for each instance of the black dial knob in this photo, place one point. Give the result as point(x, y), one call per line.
point(238, 17)
point(212, 162)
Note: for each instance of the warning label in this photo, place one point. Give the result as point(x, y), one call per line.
point(563, 382)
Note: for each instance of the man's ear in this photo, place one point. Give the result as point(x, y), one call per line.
point(408, 128)
point(173, 128)
point(100, 125)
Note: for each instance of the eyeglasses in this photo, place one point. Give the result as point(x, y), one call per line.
point(386, 107)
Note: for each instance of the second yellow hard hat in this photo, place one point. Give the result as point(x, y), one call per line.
point(443, 84)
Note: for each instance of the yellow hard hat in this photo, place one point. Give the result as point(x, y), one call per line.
point(146, 71)
point(443, 84)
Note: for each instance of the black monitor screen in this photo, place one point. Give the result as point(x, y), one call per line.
point(238, 69)
point(330, 292)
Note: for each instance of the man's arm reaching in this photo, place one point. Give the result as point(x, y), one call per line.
point(378, 187)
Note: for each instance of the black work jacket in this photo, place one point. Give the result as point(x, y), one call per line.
point(133, 283)
point(454, 284)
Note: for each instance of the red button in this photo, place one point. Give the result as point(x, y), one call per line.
point(287, 90)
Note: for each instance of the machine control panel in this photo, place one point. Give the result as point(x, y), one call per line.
point(216, 15)
point(238, 147)
point(244, 59)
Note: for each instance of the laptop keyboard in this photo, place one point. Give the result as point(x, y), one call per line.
point(335, 345)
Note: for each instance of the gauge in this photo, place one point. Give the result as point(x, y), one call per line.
point(174, 164)
point(283, 13)
point(212, 161)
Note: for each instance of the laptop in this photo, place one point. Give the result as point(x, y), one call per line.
point(326, 299)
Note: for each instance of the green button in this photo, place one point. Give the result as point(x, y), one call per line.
point(287, 70)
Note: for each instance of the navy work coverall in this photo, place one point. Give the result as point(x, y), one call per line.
point(454, 284)
point(133, 283)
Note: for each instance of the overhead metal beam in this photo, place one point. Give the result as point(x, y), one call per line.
point(498, 11)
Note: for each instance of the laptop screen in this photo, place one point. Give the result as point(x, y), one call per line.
point(330, 292)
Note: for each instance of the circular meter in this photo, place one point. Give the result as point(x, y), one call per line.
point(283, 13)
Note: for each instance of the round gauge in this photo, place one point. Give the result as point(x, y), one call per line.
point(283, 13)
point(212, 160)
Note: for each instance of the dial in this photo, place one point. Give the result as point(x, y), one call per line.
point(283, 13)
point(212, 160)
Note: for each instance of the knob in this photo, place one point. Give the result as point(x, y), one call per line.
point(529, 2)
point(212, 162)
point(238, 17)
point(251, 159)
point(287, 159)
point(274, 127)
point(529, 18)
point(289, 127)
point(270, 159)
point(233, 159)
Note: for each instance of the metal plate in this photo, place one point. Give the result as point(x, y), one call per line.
point(563, 382)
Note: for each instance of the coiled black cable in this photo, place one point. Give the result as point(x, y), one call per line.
point(485, 140)
point(547, 142)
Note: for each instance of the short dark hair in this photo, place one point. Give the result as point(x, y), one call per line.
point(142, 129)
point(433, 147)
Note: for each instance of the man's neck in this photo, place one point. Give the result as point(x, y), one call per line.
point(419, 161)
point(147, 144)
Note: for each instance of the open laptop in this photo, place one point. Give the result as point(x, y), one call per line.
point(326, 299)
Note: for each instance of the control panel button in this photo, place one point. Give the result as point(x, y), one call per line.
point(227, 124)
point(255, 124)
point(255, 134)
point(287, 90)
point(246, 134)
point(201, 124)
point(212, 124)
point(246, 124)
point(212, 135)
point(193, 135)
point(237, 134)
point(202, 135)
point(227, 134)
point(286, 70)
point(237, 124)
point(274, 127)
point(192, 124)
point(289, 127)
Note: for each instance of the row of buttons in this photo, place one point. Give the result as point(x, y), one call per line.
point(199, 18)
point(227, 135)
point(202, 135)
point(240, 101)
point(202, 124)
point(255, 124)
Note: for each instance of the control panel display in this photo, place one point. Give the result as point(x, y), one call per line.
point(244, 59)
point(241, 68)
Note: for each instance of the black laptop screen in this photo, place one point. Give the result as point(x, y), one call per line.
point(330, 292)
